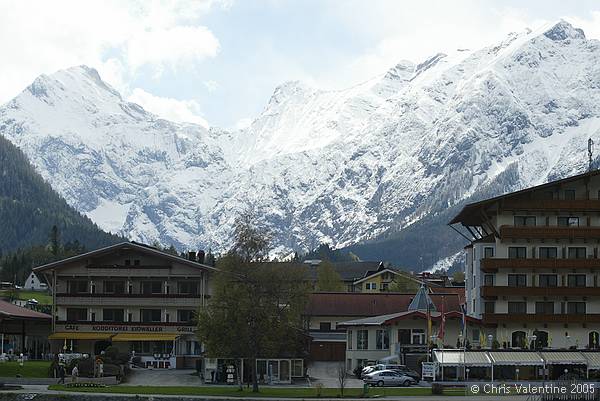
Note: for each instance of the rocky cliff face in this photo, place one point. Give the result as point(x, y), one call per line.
point(373, 161)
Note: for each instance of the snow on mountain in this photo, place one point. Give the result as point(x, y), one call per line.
point(322, 166)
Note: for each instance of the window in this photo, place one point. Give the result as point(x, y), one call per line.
point(567, 221)
point(548, 252)
point(577, 253)
point(325, 326)
point(518, 339)
point(489, 307)
point(576, 280)
point(150, 315)
point(488, 279)
point(569, 194)
point(384, 286)
point(362, 339)
point(151, 287)
point(112, 315)
point(488, 252)
point(127, 262)
point(517, 307)
point(76, 314)
point(517, 252)
point(193, 348)
point(548, 280)
point(418, 336)
point(544, 308)
point(371, 286)
point(475, 335)
point(185, 315)
point(404, 336)
point(136, 262)
point(77, 286)
point(152, 347)
point(517, 280)
point(298, 367)
point(576, 308)
point(382, 339)
point(187, 287)
point(114, 287)
point(349, 339)
point(524, 221)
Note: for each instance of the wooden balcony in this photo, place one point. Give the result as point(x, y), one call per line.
point(493, 264)
point(498, 291)
point(576, 205)
point(549, 232)
point(494, 318)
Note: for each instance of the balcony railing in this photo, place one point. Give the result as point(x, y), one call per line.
point(540, 318)
point(493, 264)
point(549, 232)
point(579, 205)
point(124, 295)
point(495, 291)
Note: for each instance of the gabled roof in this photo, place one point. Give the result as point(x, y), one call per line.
point(382, 270)
point(11, 311)
point(469, 214)
point(122, 246)
point(361, 305)
point(348, 271)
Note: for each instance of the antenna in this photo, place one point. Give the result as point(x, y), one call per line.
point(590, 143)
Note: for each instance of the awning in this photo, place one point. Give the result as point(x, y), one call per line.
point(564, 358)
point(145, 337)
point(593, 359)
point(519, 358)
point(462, 358)
point(79, 336)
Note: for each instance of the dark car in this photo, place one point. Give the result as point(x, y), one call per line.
point(403, 370)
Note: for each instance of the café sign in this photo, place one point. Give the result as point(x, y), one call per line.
point(104, 328)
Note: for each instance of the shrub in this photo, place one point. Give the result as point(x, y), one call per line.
point(437, 389)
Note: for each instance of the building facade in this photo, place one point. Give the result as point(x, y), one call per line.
point(132, 296)
point(532, 265)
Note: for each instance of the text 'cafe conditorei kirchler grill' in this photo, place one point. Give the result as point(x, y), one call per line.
point(130, 296)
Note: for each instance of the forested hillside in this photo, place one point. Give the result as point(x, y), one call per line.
point(29, 209)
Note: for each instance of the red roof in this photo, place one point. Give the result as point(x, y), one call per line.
point(365, 304)
point(460, 291)
point(12, 311)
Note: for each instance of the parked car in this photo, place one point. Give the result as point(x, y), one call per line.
point(381, 366)
point(403, 370)
point(388, 378)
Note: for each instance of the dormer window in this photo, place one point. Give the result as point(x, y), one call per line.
point(127, 262)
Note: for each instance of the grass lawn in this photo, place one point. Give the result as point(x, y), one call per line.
point(232, 391)
point(42, 296)
point(29, 369)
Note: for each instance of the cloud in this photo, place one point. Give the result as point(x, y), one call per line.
point(171, 109)
point(211, 85)
point(398, 32)
point(113, 36)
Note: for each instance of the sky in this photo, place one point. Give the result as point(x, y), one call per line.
point(217, 62)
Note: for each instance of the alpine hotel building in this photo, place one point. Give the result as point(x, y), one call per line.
point(533, 266)
point(130, 296)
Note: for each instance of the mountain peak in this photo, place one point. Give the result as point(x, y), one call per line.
point(563, 30)
point(403, 70)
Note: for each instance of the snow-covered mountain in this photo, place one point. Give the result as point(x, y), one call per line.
point(368, 162)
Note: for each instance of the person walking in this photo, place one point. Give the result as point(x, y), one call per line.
point(74, 373)
point(61, 374)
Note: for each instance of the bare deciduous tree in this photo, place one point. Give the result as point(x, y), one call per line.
point(342, 377)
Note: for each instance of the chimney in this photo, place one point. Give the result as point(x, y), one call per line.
point(192, 256)
point(200, 256)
